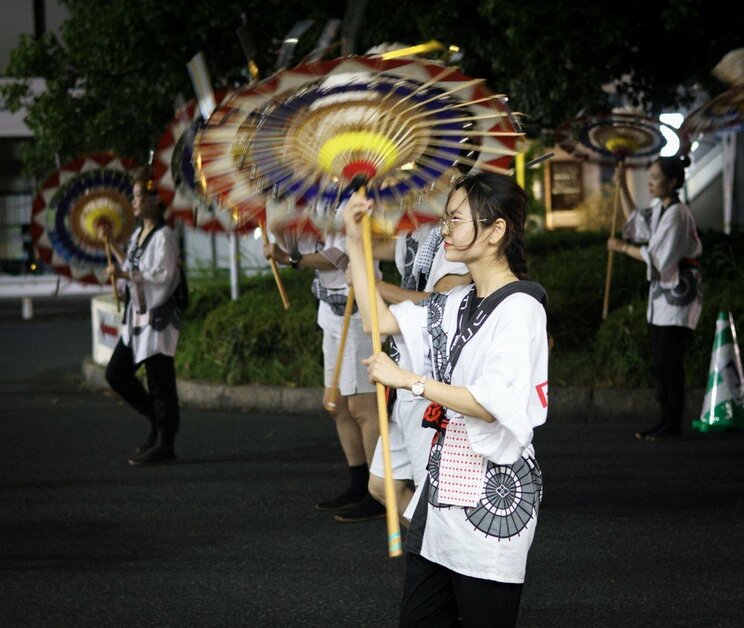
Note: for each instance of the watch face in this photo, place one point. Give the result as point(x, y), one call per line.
point(417, 389)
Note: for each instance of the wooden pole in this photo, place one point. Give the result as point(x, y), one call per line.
point(608, 276)
point(275, 269)
point(333, 398)
point(391, 504)
point(113, 279)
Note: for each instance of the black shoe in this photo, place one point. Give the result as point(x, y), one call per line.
point(642, 435)
point(368, 510)
point(665, 434)
point(162, 452)
point(147, 444)
point(348, 499)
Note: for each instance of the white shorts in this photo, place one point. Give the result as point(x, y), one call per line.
point(353, 379)
point(409, 442)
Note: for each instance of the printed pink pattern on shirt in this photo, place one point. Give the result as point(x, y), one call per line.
point(461, 470)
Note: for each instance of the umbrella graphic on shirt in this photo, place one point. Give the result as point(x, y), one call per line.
point(510, 499)
point(72, 203)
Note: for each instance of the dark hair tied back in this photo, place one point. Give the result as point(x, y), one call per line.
point(674, 168)
point(492, 196)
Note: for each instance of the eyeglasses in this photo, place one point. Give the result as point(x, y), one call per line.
point(448, 223)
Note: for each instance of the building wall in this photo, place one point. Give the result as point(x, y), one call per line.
point(18, 18)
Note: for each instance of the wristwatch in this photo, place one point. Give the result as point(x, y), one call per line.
point(294, 259)
point(418, 387)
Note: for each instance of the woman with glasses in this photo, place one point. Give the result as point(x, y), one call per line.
point(482, 356)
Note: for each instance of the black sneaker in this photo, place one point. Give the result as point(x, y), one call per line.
point(155, 455)
point(348, 499)
point(665, 434)
point(642, 435)
point(147, 444)
point(368, 510)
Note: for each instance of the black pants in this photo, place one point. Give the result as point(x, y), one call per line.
point(160, 404)
point(434, 597)
point(668, 346)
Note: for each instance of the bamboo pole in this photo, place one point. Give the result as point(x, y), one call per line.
point(608, 276)
point(330, 404)
point(113, 278)
point(391, 504)
point(275, 269)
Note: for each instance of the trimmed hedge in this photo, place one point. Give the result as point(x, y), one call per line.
point(617, 352)
point(253, 340)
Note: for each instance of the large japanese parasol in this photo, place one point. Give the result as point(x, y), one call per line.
point(722, 117)
point(316, 133)
point(73, 202)
point(174, 174)
point(724, 113)
point(309, 131)
point(611, 137)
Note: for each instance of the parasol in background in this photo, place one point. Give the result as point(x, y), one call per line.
point(723, 116)
point(70, 206)
point(174, 175)
point(320, 131)
point(610, 139)
point(724, 113)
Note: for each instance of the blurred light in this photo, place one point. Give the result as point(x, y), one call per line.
point(694, 146)
point(673, 120)
point(257, 233)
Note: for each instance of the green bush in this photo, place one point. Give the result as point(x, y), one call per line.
point(253, 340)
point(617, 352)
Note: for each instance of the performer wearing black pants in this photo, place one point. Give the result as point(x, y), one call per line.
point(664, 236)
point(159, 403)
point(151, 326)
point(475, 515)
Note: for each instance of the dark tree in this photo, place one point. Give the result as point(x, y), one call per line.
point(113, 75)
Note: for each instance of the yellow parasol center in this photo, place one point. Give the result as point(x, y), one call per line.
point(372, 145)
point(622, 145)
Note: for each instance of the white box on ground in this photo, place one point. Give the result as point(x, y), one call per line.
point(106, 324)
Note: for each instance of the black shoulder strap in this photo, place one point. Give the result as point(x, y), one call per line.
point(467, 327)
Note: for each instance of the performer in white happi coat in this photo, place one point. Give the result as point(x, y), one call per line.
point(355, 406)
point(474, 520)
point(664, 237)
point(151, 269)
point(419, 258)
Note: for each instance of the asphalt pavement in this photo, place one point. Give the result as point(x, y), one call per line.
point(630, 533)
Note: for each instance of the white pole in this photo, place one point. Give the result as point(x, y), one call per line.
point(729, 160)
point(27, 308)
point(234, 265)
